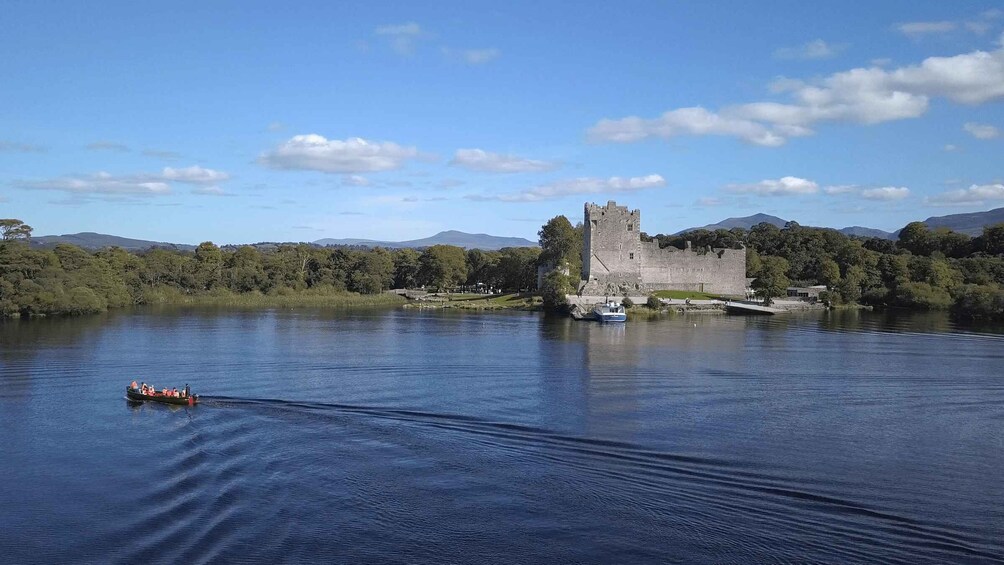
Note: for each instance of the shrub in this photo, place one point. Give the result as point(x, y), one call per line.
point(654, 303)
point(627, 302)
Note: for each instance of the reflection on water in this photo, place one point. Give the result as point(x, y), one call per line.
point(404, 436)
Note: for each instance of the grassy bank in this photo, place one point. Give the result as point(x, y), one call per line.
point(515, 301)
point(285, 298)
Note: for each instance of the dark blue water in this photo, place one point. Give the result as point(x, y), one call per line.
point(431, 437)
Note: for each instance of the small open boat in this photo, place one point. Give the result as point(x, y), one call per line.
point(138, 396)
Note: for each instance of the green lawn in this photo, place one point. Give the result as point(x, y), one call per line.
point(519, 301)
point(684, 294)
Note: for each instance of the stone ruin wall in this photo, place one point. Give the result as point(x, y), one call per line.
point(715, 271)
point(616, 261)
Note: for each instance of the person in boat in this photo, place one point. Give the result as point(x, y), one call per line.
point(133, 386)
point(187, 392)
point(174, 392)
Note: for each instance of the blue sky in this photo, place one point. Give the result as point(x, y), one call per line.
point(246, 121)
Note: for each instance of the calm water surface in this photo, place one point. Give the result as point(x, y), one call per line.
point(397, 436)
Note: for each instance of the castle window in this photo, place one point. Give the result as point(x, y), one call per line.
point(630, 227)
point(630, 255)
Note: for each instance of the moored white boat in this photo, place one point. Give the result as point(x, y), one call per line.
point(610, 312)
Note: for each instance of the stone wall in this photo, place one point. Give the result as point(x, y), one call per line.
point(616, 261)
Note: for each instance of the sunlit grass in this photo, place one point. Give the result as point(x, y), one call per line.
point(511, 301)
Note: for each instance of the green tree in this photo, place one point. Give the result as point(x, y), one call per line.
point(992, 240)
point(374, 272)
point(443, 266)
point(406, 266)
point(561, 245)
point(554, 291)
point(829, 273)
point(916, 239)
point(518, 268)
point(481, 267)
point(244, 271)
point(772, 280)
point(210, 265)
point(753, 262)
point(849, 287)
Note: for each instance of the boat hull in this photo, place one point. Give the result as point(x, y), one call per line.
point(140, 397)
point(611, 318)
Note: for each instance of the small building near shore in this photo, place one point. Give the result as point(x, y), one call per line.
point(809, 293)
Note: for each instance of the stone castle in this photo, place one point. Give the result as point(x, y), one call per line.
point(615, 261)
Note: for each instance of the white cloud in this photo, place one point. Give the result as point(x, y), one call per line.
point(981, 131)
point(862, 95)
point(402, 37)
point(950, 147)
point(142, 184)
point(102, 183)
point(276, 126)
point(356, 180)
point(708, 202)
point(817, 49)
point(488, 162)
point(974, 195)
point(572, 187)
point(916, 29)
point(783, 186)
point(841, 189)
point(194, 175)
point(886, 193)
point(684, 121)
point(480, 56)
point(315, 153)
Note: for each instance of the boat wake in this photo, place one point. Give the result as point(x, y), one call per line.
point(664, 486)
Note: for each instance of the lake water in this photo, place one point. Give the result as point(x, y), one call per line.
point(396, 436)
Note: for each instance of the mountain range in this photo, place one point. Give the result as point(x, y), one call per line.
point(747, 222)
point(450, 237)
point(91, 240)
point(970, 224)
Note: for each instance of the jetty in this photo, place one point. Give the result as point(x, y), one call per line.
point(743, 307)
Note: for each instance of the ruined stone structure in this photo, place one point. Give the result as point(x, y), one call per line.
point(615, 261)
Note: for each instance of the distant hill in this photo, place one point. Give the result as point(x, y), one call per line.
point(451, 237)
point(91, 240)
point(748, 222)
point(859, 231)
point(745, 222)
point(969, 224)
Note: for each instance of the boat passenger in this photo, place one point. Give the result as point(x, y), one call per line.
point(133, 386)
point(174, 392)
point(187, 392)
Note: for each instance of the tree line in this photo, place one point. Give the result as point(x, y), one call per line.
point(70, 280)
point(924, 269)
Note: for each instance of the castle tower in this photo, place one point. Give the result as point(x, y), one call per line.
point(611, 250)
